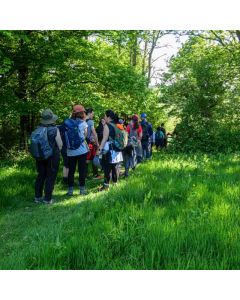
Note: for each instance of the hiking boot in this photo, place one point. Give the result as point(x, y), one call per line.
point(48, 201)
point(82, 190)
point(38, 200)
point(70, 191)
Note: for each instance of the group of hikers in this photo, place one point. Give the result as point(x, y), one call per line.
point(112, 143)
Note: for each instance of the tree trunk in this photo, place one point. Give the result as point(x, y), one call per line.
point(144, 58)
point(135, 46)
point(155, 37)
point(22, 95)
point(238, 35)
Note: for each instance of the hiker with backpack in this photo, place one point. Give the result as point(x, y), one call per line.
point(45, 147)
point(147, 132)
point(133, 152)
point(77, 148)
point(92, 140)
point(113, 142)
point(165, 135)
point(159, 138)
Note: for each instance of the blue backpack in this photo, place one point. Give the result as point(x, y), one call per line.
point(72, 134)
point(39, 144)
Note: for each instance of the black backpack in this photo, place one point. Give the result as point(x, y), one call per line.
point(145, 133)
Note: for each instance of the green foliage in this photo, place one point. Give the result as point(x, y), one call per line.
point(202, 90)
point(175, 212)
point(57, 69)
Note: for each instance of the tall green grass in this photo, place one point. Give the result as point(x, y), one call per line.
point(174, 212)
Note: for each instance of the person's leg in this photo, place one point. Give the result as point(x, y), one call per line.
point(65, 174)
point(134, 158)
point(52, 170)
point(95, 170)
point(144, 150)
point(82, 164)
point(40, 179)
point(72, 167)
point(139, 153)
point(126, 162)
point(161, 144)
point(114, 173)
point(148, 150)
point(106, 169)
point(65, 167)
point(87, 167)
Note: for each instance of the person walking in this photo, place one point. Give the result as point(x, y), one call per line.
point(162, 128)
point(133, 152)
point(159, 136)
point(46, 145)
point(147, 132)
point(92, 140)
point(77, 148)
point(111, 156)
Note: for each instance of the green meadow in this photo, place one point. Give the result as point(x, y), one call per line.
point(173, 212)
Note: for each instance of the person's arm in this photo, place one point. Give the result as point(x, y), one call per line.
point(150, 130)
point(95, 136)
point(85, 129)
point(85, 132)
point(105, 137)
point(59, 140)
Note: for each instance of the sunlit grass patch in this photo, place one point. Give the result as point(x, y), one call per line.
point(174, 212)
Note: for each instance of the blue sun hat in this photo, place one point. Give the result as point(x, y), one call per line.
point(143, 116)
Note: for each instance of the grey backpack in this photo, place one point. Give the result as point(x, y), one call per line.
point(39, 144)
point(133, 137)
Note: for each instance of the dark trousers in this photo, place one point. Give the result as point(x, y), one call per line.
point(47, 174)
point(159, 144)
point(130, 158)
point(108, 168)
point(81, 160)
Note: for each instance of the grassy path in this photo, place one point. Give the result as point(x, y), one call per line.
point(175, 212)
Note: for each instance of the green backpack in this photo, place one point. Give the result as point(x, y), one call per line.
point(159, 135)
point(121, 138)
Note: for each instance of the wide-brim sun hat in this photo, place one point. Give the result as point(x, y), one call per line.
point(48, 117)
